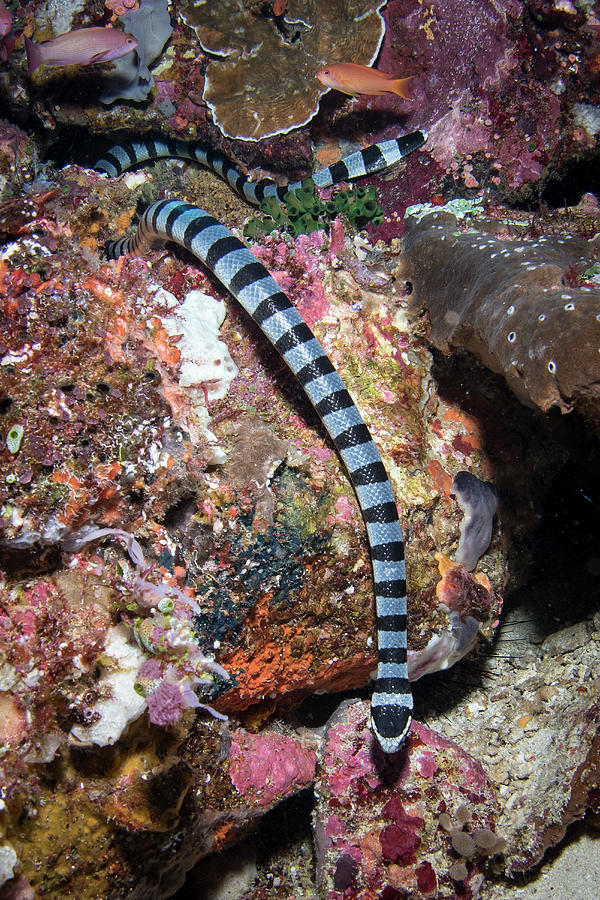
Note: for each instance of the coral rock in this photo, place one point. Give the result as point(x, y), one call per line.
point(383, 824)
point(269, 766)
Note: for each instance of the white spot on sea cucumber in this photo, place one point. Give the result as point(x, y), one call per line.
point(510, 310)
point(569, 306)
point(542, 317)
point(512, 337)
point(566, 297)
point(552, 367)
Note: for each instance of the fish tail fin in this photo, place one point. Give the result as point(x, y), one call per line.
point(35, 56)
point(402, 87)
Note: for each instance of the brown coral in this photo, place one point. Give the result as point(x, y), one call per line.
point(266, 83)
point(518, 305)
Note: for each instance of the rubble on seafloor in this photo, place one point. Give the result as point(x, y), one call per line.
point(178, 540)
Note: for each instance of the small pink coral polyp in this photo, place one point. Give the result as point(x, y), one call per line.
point(120, 7)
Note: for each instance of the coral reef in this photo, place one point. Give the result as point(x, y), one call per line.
point(265, 84)
point(522, 307)
point(506, 98)
point(171, 512)
point(243, 539)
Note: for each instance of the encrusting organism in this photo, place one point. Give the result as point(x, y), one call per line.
point(478, 501)
point(177, 665)
point(260, 295)
point(6, 38)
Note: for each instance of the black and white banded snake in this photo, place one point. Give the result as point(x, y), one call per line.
point(260, 295)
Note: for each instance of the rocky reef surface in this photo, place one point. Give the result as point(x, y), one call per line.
point(186, 601)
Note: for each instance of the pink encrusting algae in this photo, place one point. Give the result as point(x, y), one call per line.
point(266, 766)
point(388, 823)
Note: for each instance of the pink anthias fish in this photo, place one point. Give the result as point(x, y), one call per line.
point(350, 78)
point(82, 47)
point(5, 32)
point(5, 21)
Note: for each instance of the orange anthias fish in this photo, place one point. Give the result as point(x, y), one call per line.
point(350, 78)
point(82, 47)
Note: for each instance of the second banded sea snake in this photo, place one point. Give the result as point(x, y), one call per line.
point(260, 295)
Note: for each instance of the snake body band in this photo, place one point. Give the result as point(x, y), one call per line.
point(362, 162)
point(260, 295)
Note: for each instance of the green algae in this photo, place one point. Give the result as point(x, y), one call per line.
point(302, 211)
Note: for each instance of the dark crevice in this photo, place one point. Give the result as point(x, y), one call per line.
point(562, 187)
